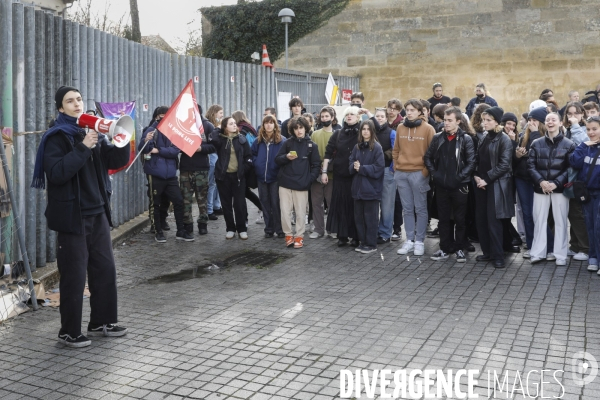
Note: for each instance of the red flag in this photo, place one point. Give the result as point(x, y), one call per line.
point(182, 123)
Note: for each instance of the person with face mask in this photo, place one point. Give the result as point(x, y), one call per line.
point(481, 96)
point(321, 192)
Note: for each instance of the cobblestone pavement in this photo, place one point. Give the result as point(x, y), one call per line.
point(286, 330)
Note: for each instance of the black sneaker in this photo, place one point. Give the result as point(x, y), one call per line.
point(439, 256)
point(281, 235)
point(165, 225)
point(160, 237)
point(212, 217)
point(368, 249)
point(217, 211)
point(189, 228)
point(111, 330)
point(202, 228)
point(359, 248)
point(460, 257)
point(269, 235)
point(381, 240)
point(183, 235)
point(79, 341)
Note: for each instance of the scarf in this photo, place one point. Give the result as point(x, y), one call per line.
point(412, 124)
point(244, 124)
point(63, 123)
point(396, 122)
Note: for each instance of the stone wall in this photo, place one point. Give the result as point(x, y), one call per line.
point(399, 48)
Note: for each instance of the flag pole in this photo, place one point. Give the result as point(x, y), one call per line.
point(136, 157)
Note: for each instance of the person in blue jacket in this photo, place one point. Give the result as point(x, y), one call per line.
point(162, 166)
point(367, 168)
point(264, 150)
point(583, 158)
point(481, 96)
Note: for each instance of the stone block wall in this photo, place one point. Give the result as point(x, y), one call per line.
point(399, 48)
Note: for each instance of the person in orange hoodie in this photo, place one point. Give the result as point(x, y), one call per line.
point(413, 137)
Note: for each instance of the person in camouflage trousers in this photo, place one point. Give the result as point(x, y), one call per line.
point(193, 179)
point(194, 182)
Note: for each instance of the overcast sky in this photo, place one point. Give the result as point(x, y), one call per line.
point(171, 18)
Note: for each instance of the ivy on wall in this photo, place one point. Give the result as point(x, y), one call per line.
point(240, 30)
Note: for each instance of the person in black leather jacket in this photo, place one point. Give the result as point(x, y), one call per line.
point(547, 165)
point(494, 193)
point(450, 160)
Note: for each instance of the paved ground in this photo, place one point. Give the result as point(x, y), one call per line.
point(284, 331)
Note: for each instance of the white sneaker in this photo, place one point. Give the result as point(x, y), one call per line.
point(260, 219)
point(570, 253)
point(592, 268)
point(419, 248)
point(396, 236)
point(333, 235)
point(550, 257)
point(527, 254)
point(406, 248)
point(581, 257)
point(315, 235)
point(229, 235)
point(561, 263)
point(243, 235)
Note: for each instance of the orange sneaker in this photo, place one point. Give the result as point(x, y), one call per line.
point(298, 243)
point(289, 241)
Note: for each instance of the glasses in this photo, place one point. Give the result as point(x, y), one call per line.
point(593, 119)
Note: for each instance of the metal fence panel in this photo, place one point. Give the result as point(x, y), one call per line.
point(41, 52)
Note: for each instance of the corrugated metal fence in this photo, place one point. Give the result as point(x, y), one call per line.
point(311, 87)
point(40, 52)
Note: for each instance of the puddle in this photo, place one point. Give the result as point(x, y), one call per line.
point(256, 259)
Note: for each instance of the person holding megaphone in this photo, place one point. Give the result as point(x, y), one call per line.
point(75, 164)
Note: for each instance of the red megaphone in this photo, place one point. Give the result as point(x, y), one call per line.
point(119, 130)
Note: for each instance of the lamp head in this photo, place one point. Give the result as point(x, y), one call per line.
point(286, 15)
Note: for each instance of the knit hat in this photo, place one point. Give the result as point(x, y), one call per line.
point(539, 114)
point(350, 110)
point(496, 113)
point(509, 117)
point(537, 104)
point(60, 94)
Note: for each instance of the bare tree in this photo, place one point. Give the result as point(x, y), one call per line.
point(136, 33)
point(82, 13)
point(190, 45)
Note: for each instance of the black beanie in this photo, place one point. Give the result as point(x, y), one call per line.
point(510, 117)
point(539, 114)
point(496, 113)
point(60, 94)
point(159, 110)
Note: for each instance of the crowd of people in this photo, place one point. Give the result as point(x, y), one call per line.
point(360, 177)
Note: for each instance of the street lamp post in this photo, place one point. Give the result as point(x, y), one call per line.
point(286, 18)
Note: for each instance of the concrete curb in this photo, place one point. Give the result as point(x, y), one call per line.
point(49, 274)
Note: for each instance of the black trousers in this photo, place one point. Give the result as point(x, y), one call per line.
point(490, 228)
point(452, 205)
point(253, 198)
point(170, 188)
point(91, 252)
point(398, 220)
point(163, 206)
point(366, 218)
point(233, 201)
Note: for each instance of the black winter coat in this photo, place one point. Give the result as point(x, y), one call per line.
point(465, 160)
point(340, 147)
point(367, 184)
point(549, 160)
point(501, 153)
point(520, 164)
point(62, 163)
point(300, 173)
point(242, 151)
point(199, 161)
point(384, 138)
